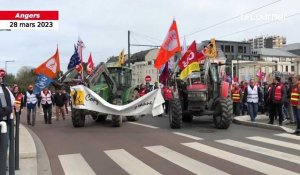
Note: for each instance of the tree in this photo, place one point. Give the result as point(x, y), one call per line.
point(10, 79)
point(25, 77)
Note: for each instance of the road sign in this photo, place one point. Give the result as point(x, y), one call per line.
point(147, 78)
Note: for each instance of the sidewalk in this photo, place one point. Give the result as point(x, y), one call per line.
point(261, 121)
point(28, 154)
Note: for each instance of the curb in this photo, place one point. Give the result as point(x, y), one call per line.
point(245, 120)
point(27, 145)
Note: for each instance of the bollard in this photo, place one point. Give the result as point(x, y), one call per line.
point(17, 138)
point(3, 147)
point(11, 145)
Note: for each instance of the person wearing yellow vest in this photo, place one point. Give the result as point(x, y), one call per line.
point(47, 100)
point(295, 98)
point(236, 95)
point(276, 98)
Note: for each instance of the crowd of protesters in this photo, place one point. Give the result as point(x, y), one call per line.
point(279, 100)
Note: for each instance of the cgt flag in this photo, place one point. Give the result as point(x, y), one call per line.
point(189, 61)
point(51, 67)
point(74, 60)
point(41, 82)
point(90, 65)
point(169, 47)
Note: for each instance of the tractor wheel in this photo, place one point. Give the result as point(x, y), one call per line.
point(224, 113)
point(133, 118)
point(99, 118)
point(187, 117)
point(175, 114)
point(116, 120)
point(78, 118)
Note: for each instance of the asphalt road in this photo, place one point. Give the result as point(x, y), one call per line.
point(154, 148)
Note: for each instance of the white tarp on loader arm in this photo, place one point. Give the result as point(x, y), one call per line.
point(84, 98)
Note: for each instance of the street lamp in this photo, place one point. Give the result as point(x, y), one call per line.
point(8, 61)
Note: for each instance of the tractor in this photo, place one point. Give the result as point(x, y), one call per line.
point(202, 93)
point(113, 84)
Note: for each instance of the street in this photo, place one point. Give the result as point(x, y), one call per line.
point(149, 146)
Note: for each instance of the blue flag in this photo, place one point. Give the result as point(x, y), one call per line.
point(41, 82)
point(75, 60)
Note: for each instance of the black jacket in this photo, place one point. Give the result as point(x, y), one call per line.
point(59, 99)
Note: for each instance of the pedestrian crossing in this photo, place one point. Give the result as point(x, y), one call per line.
point(221, 150)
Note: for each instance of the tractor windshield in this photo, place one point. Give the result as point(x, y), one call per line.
point(194, 78)
point(121, 76)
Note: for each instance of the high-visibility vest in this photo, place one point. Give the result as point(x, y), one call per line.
point(295, 95)
point(278, 94)
point(46, 98)
point(236, 95)
point(31, 98)
point(252, 95)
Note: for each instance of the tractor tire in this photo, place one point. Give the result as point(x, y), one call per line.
point(224, 113)
point(187, 117)
point(78, 118)
point(116, 120)
point(99, 118)
point(175, 114)
point(133, 118)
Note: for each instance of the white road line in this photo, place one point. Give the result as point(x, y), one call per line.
point(129, 163)
point(140, 124)
point(184, 161)
point(275, 142)
point(75, 164)
point(261, 150)
point(188, 136)
point(290, 136)
point(240, 160)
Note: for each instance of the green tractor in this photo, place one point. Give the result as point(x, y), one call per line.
point(113, 84)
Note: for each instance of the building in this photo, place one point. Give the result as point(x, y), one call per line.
point(292, 48)
point(267, 42)
point(268, 60)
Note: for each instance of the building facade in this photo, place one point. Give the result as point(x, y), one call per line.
point(267, 42)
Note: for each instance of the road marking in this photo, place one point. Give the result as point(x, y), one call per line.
point(129, 163)
point(188, 136)
point(261, 150)
point(290, 136)
point(148, 126)
point(184, 161)
point(75, 164)
point(275, 142)
point(240, 160)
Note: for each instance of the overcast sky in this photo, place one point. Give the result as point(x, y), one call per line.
point(103, 26)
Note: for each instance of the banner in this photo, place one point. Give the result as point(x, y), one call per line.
point(84, 98)
point(41, 82)
point(169, 47)
point(51, 67)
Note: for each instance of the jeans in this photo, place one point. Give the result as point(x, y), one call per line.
point(296, 112)
point(31, 113)
point(47, 113)
point(252, 110)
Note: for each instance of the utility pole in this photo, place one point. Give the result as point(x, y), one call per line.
point(128, 58)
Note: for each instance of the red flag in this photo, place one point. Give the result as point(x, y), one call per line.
point(90, 65)
point(51, 67)
point(169, 47)
point(80, 47)
point(189, 61)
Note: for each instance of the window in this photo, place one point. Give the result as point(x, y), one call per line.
point(245, 49)
point(227, 49)
point(286, 68)
point(240, 49)
point(149, 62)
point(222, 48)
point(232, 49)
point(292, 68)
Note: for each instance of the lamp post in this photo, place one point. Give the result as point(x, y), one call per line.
point(8, 61)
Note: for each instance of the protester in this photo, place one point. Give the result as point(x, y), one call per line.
point(67, 101)
point(252, 96)
point(236, 94)
point(18, 105)
point(142, 90)
point(134, 95)
point(155, 85)
point(168, 95)
point(265, 97)
point(286, 108)
point(31, 101)
point(295, 101)
point(47, 101)
point(244, 86)
point(59, 100)
point(277, 95)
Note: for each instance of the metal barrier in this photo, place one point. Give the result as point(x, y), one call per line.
point(3, 147)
